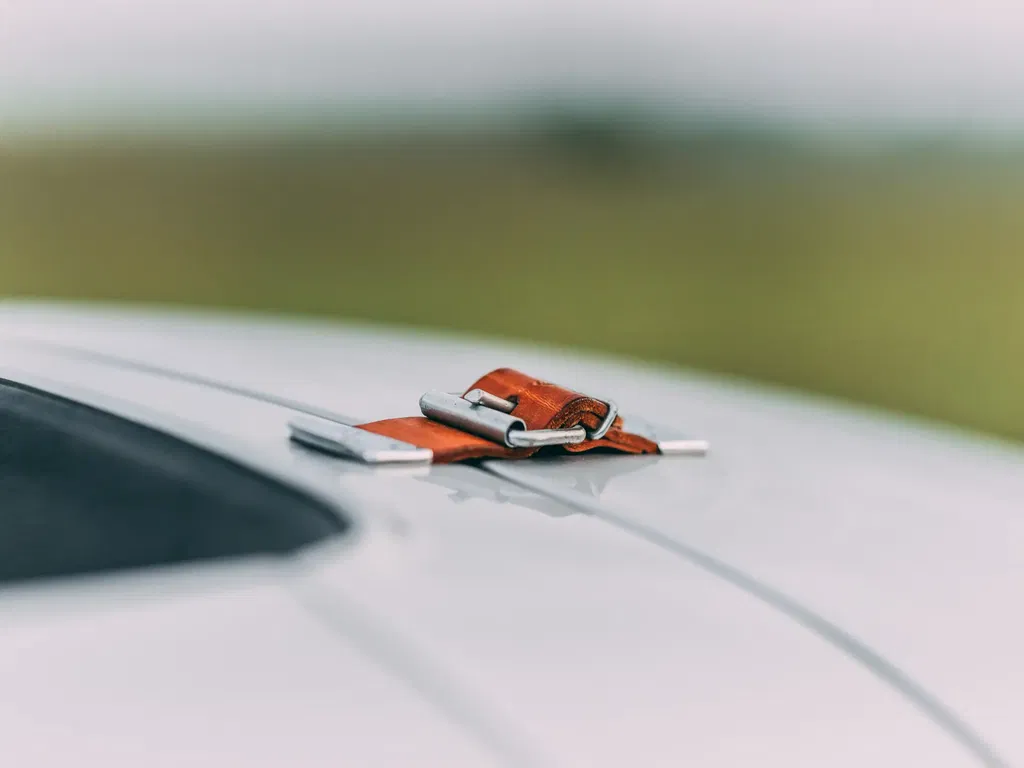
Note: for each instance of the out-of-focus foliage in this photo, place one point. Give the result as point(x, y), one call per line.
point(891, 277)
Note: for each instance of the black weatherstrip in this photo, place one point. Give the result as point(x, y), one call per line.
point(84, 491)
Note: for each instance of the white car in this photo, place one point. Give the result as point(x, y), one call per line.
point(186, 585)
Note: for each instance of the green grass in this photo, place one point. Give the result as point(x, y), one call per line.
point(894, 278)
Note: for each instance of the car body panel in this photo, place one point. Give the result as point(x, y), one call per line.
point(218, 666)
point(586, 641)
point(606, 651)
point(922, 564)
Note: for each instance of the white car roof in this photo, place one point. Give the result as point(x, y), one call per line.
point(827, 587)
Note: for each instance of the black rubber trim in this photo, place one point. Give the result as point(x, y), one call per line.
point(85, 491)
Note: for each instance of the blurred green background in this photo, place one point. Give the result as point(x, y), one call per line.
point(892, 275)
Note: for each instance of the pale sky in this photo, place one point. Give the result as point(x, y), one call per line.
point(932, 62)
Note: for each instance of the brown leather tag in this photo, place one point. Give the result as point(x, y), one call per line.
point(540, 404)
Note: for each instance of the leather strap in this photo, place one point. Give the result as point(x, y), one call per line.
point(540, 404)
